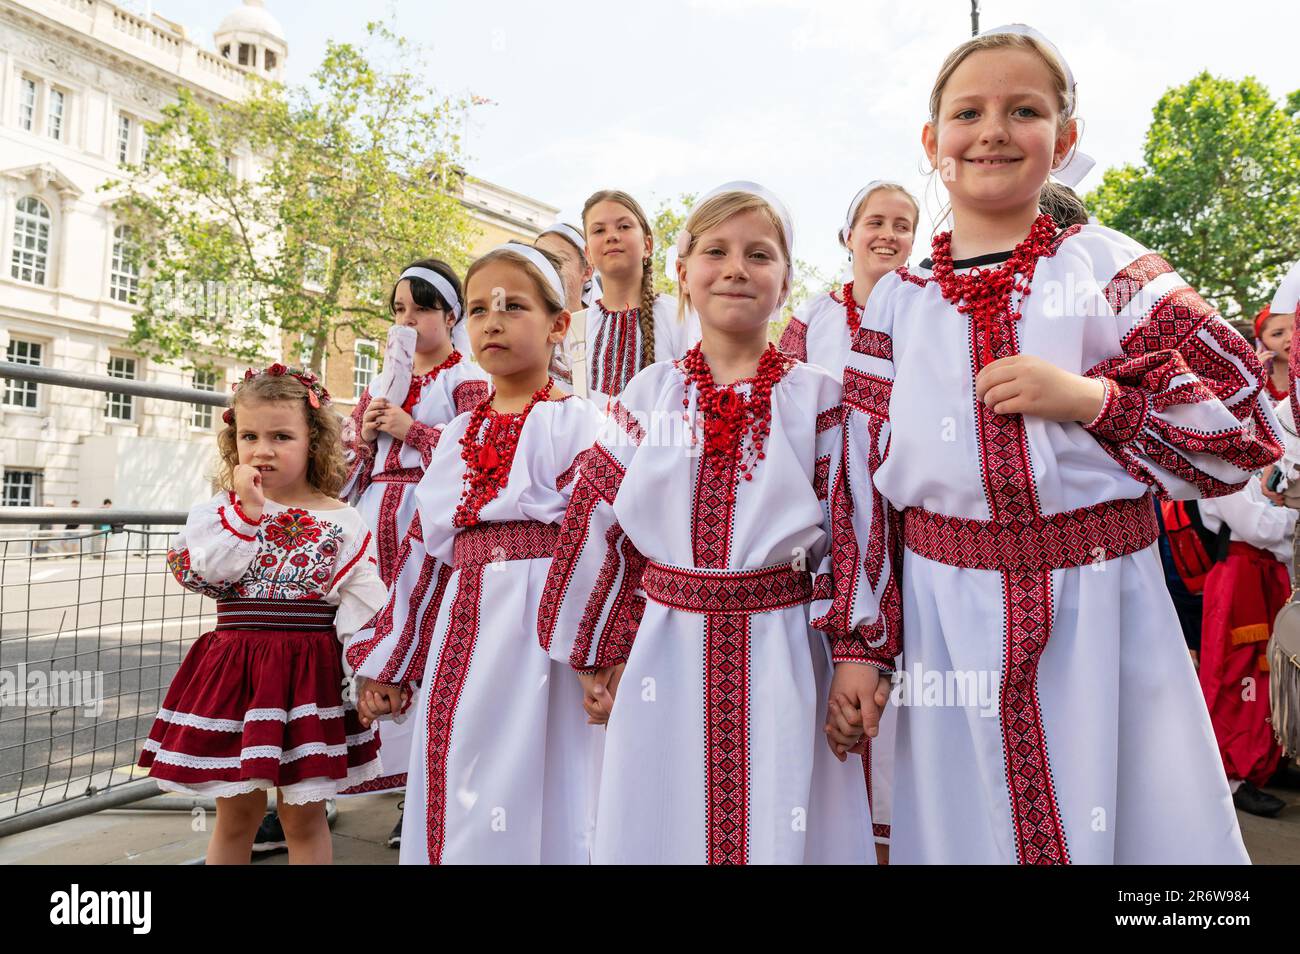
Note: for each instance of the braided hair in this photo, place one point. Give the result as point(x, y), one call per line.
point(645, 314)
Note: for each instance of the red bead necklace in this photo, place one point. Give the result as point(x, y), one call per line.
point(730, 416)
point(985, 295)
point(852, 311)
point(418, 381)
point(489, 453)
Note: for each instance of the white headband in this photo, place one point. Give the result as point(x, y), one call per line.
point(543, 265)
point(437, 281)
point(858, 199)
point(1080, 164)
point(752, 188)
point(568, 232)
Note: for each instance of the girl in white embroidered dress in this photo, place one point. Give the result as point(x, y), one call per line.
point(258, 702)
point(629, 327)
point(503, 762)
point(1013, 423)
point(392, 444)
point(878, 232)
point(694, 524)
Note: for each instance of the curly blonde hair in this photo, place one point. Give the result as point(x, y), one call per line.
point(326, 467)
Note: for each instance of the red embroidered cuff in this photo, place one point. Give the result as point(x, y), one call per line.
point(247, 538)
point(1122, 416)
point(243, 516)
point(423, 438)
point(886, 669)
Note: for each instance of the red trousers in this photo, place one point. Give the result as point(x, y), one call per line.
point(1242, 596)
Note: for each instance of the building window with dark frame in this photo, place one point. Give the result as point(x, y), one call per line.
point(202, 416)
point(23, 394)
point(21, 488)
point(31, 254)
point(121, 407)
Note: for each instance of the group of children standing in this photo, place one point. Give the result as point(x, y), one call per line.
point(629, 587)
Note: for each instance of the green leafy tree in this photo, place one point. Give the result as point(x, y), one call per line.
point(666, 222)
point(1218, 191)
point(285, 214)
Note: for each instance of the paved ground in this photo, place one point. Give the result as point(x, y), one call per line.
point(165, 838)
point(131, 837)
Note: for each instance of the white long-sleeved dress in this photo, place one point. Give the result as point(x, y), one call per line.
point(502, 760)
point(715, 751)
point(381, 485)
point(1026, 551)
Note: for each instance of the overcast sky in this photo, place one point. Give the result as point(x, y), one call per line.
point(812, 99)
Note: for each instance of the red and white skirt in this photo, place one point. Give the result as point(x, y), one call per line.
point(255, 707)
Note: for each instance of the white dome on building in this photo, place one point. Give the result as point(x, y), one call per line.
point(250, 37)
point(252, 17)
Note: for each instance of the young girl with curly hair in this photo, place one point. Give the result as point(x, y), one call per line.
point(258, 702)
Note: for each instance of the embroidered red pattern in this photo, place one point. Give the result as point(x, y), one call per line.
point(821, 476)
point(444, 696)
point(1080, 537)
point(874, 562)
point(599, 477)
point(595, 602)
point(731, 591)
point(389, 505)
point(428, 620)
point(831, 417)
point(627, 420)
point(1132, 278)
point(616, 350)
point(1013, 497)
point(868, 393)
point(358, 651)
point(1040, 836)
point(794, 340)
point(874, 344)
point(625, 612)
point(423, 439)
point(726, 672)
point(395, 665)
point(384, 783)
point(726, 726)
point(504, 540)
point(468, 395)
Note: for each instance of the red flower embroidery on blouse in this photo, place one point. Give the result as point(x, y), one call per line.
point(292, 529)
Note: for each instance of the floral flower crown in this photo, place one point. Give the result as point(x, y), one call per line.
point(316, 393)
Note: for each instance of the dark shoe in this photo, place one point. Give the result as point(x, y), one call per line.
point(270, 836)
point(1249, 799)
point(395, 837)
point(1286, 776)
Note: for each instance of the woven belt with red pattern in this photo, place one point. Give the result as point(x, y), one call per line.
point(486, 543)
point(406, 475)
point(1093, 534)
point(727, 591)
point(274, 614)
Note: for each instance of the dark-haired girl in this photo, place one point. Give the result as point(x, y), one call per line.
point(392, 442)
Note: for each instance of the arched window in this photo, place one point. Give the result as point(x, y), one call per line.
point(31, 240)
point(124, 276)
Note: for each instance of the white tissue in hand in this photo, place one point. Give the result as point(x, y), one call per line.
point(395, 380)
